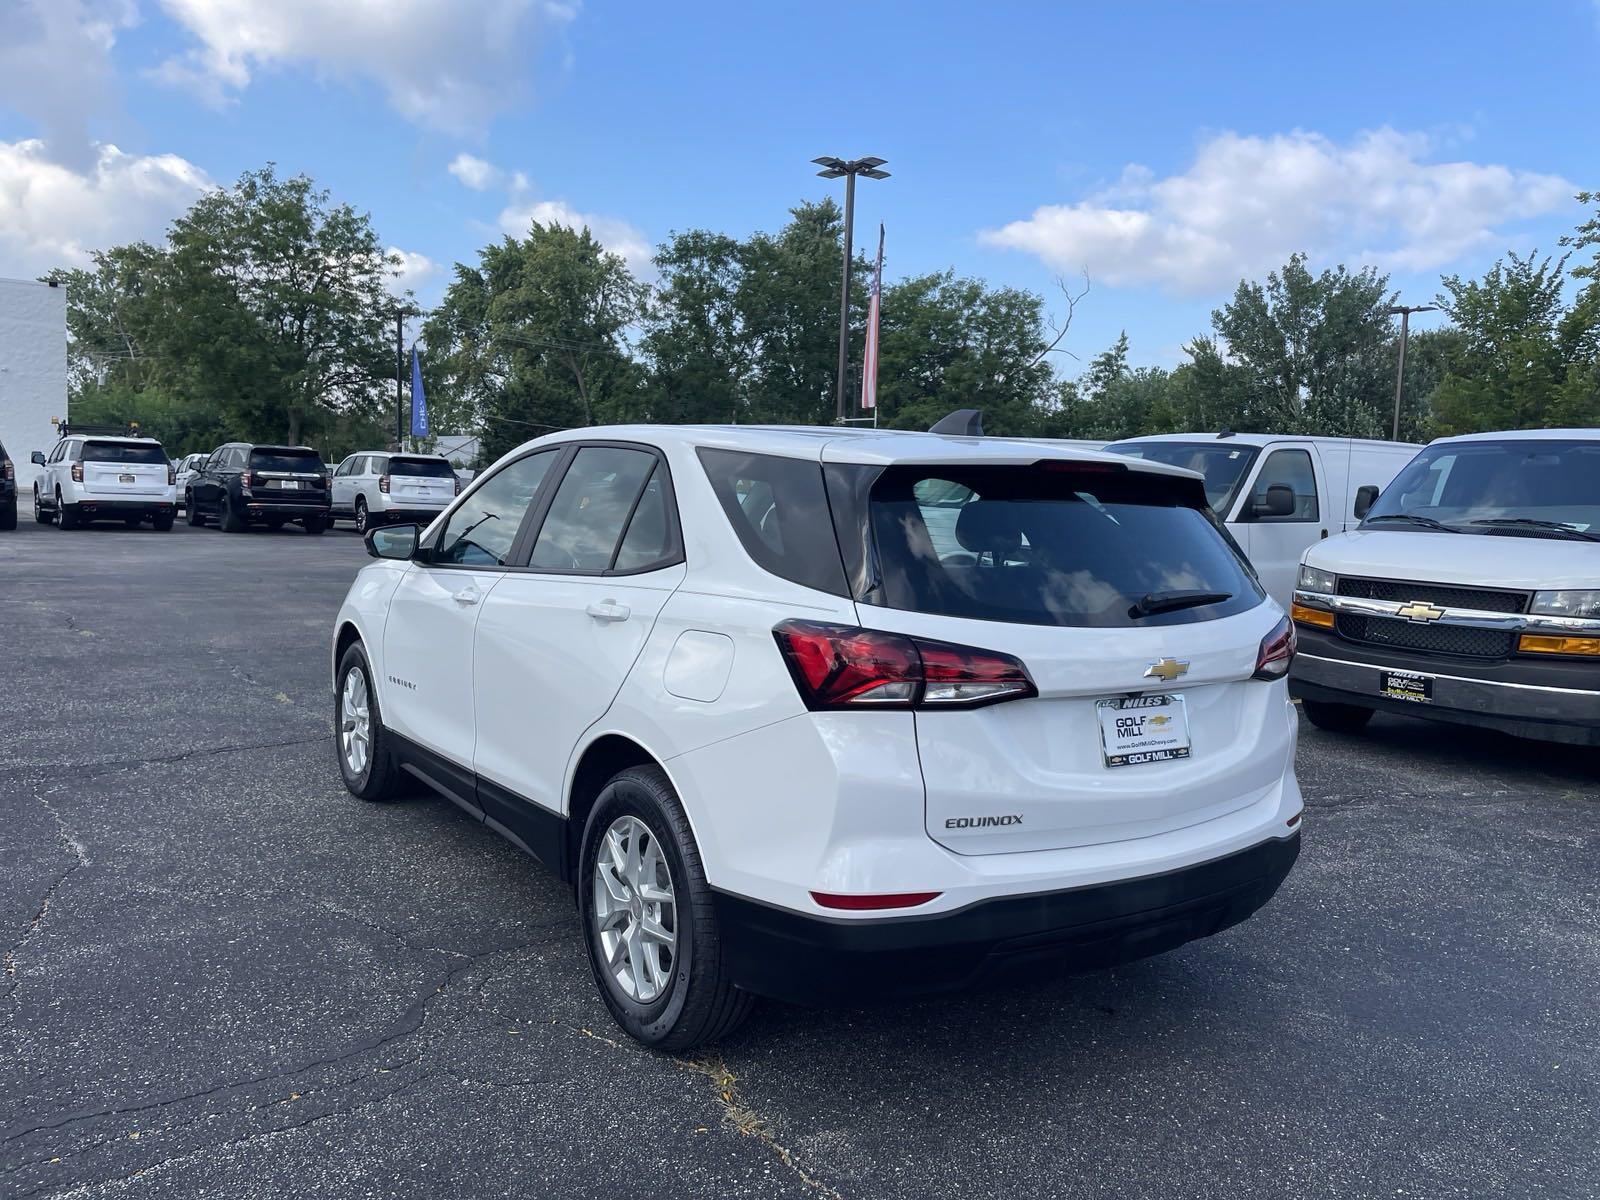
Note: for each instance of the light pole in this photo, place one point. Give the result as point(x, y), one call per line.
point(833, 168)
point(1404, 312)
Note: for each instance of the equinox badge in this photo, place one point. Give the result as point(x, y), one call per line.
point(1167, 669)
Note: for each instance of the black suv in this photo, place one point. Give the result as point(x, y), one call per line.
point(8, 491)
point(242, 485)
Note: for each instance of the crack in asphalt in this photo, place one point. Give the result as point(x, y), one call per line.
point(236, 1143)
point(71, 771)
point(408, 1024)
point(80, 858)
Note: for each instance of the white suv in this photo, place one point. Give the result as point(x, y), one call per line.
point(814, 713)
point(91, 477)
point(378, 488)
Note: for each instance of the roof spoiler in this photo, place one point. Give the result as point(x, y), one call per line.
point(964, 422)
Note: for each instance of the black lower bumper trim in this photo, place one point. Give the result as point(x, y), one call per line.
point(816, 960)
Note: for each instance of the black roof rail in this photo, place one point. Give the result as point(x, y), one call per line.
point(964, 422)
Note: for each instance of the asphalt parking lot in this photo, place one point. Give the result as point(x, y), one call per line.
point(226, 977)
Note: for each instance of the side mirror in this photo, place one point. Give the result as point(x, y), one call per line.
point(394, 541)
point(1278, 502)
point(1366, 497)
point(37, 457)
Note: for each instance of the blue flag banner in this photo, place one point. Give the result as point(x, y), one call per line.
point(419, 401)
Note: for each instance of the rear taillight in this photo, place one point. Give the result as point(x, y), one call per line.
point(172, 474)
point(77, 472)
point(244, 478)
point(383, 483)
point(1277, 651)
point(458, 487)
point(836, 666)
point(7, 471)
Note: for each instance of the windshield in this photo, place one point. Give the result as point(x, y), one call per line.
point(297, 462)
point(1496, 487)
point(1055, 544)
point(421, 468)
point(124, 452)
point(1223, 465)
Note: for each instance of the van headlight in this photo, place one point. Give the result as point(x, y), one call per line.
point(1562, 604)
point(1315, 579)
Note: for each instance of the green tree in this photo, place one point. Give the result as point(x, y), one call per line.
point(1513, 363)
point(532, 338)
point(1314, 349)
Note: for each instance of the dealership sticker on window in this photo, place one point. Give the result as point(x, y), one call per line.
point(1143, 729)
point(1406, 685)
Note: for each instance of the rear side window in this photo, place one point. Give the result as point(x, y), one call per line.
point(421, 468)
point(289, 461)
point(123, 452)
point(591, 509)
point(1049, 545)
point(779, 508)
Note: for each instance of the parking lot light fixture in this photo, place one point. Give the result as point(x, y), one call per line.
point(836, 168)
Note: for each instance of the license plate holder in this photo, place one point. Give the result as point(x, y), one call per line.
point(289, 485)
point(127, 479)
point(1142, 729)
point(1410, 686)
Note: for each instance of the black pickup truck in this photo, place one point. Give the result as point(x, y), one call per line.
point(243, 485)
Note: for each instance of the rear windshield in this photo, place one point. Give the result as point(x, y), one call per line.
point(123, 452)
point(1519, 485)
point(421, 468)
point(1224, 466)
point(1057, 544)
point(306, 462)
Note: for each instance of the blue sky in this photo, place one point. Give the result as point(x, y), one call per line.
point(1168, 148)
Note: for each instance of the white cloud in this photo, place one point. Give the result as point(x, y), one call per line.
point(414, 270)
point(615, 234)
point(55, 67)
point(448, 66)
point(1247, 203)
point(52, 215)
point(474, 172)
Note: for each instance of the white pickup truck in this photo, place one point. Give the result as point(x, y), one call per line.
point(1279, 494)
point(1471, 593)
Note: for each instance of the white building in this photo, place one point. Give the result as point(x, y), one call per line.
point(33, 371)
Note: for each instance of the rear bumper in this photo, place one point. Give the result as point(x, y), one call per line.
point(819, 960)
point(401, 514)
point(92, 507)
point(1556, 700)
point(286, 510)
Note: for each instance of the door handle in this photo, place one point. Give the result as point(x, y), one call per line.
point(608, 610)
point(467, 596)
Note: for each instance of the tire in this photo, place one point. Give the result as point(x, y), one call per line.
point(164, 523)
point(39, 513)
point(191, 512)
point(315, 525)
point(363, 519)
point(1336, 718)
point(8, 515)
point(66, 514)
point(376, 777)
point(693, 1002)
point(229, 521)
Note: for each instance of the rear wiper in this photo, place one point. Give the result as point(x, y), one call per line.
point(1160, 602)
point(1557, 526)
point(1428, 522)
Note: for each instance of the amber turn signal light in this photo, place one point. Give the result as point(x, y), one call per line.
point(1538, 643)
point(1311, 616)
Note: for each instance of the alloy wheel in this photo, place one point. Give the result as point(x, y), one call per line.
point(355, 723)
point(635, 910)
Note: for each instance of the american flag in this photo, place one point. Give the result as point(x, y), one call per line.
point(869, 362)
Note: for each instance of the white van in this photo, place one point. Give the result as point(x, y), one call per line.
point(1471, 593)
point(1277, 494)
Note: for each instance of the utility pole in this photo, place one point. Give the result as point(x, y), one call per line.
point(833, 168)
point(1404, 312)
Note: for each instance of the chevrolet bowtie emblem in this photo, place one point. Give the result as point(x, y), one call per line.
point(1167, 669)
point(1419, 610)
